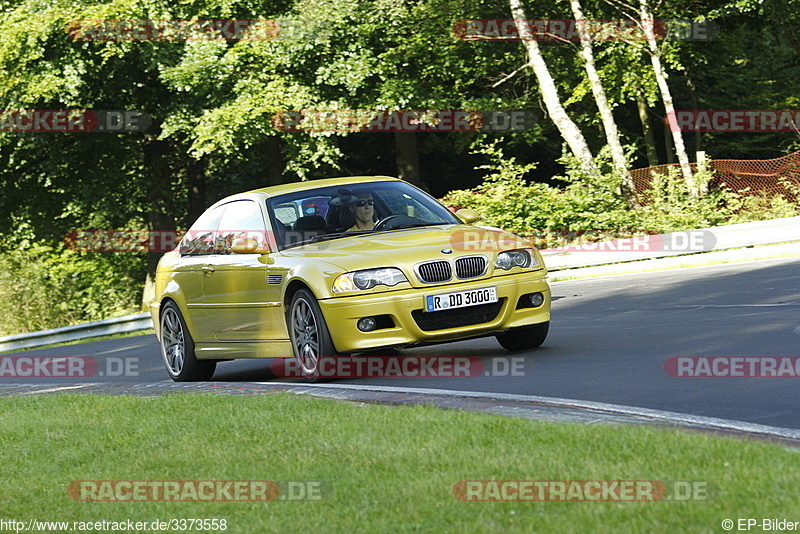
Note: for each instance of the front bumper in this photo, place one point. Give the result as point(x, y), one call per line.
point(343, 313)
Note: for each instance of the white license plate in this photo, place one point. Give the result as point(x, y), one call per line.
point(460, 299)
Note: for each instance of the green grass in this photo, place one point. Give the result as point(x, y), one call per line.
point(384, 469)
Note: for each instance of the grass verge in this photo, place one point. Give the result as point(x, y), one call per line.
point(382, 468)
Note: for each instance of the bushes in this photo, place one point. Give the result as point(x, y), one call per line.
point(44, 287)
point(591, 206)
point(541, 211)
point(757, 207)
point(670, 206)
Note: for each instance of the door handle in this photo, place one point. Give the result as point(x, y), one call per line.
point(207, 269)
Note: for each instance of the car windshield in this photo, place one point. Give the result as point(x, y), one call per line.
point(339, 211)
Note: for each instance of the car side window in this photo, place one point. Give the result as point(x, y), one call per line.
point(241, 219)
point(287, 213)
point(199, 239)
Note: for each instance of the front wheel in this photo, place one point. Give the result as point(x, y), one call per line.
point(311, 339)
point(177, 349)
point(524, 337)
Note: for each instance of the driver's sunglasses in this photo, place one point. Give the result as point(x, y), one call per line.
point(362, 203)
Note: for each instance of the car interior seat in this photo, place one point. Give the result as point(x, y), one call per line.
point(306, 228)
point(346, 219)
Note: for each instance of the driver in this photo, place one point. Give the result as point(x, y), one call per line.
point(363, 210)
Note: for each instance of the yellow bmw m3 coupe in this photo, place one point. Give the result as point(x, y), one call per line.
point(338, 266)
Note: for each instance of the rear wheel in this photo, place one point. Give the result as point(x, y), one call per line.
point(311, 339)
point(524, 337)
point(177, 349)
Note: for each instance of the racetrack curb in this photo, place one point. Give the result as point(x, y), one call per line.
point(511, 405)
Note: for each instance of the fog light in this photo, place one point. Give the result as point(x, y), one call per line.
point(367, 324)
point(537, 299)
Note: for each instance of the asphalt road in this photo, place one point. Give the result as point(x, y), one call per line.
point(609, 340)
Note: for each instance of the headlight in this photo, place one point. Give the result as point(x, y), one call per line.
point(515, 258)
point(361, 280)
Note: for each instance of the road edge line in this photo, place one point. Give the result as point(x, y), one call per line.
point(556, 402)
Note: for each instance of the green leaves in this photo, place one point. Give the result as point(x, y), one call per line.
point(213, 104)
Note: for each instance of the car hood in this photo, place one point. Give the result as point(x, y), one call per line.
point(408, 247)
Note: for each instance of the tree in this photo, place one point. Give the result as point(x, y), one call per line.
point(648, 26)
point(644, 19)
point(568, 129)
point(606, 114)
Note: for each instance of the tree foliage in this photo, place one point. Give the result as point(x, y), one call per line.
point(212, 105)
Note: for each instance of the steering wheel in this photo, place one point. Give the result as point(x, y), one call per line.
point(383, 221)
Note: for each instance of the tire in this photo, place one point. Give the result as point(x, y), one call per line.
point(524, 337)
point(177, 349)
point(311, 339)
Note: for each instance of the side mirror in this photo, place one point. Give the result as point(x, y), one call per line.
point(467, 215)
point(248, 245)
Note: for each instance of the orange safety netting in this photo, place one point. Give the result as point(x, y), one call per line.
point(746, 176)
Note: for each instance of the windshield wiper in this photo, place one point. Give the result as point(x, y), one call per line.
point(416, 225)
point(336, 235)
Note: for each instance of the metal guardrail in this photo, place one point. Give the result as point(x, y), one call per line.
point(723, 237)
point(127, 323)
point(717, 238)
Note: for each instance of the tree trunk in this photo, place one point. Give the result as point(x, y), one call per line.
point(277, 163)
point(196, 183)
point(666, 95)
point(647, 131)
point(669, 143)
point(698, 137)
point(159, 200)
point(407, 157)
point(606, 115)
point(567, 128)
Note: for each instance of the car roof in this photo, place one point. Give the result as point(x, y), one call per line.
point(275, 190)
point(313, 184)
